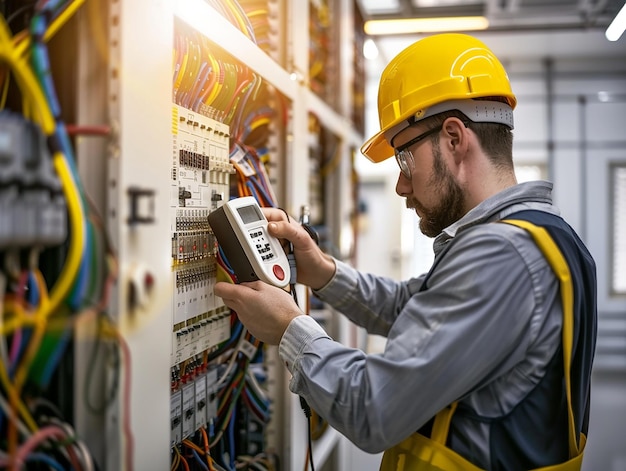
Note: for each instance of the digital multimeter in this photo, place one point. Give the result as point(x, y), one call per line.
point(241, 230)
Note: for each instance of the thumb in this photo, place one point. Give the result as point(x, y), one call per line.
point(282, 230)
point(292, 232)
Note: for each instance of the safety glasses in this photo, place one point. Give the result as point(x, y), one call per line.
point(404, 156)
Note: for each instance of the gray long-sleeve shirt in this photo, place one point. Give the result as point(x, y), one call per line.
point(482, 333)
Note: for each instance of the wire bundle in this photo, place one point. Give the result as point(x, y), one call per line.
point(42, 301)
point(319, 50)
point(209, 81)
point(259, 14)
point(232, 11)
point(218, 447)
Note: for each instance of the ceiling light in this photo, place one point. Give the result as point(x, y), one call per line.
point(617, 26)
point(425, 25)
point(370, 50)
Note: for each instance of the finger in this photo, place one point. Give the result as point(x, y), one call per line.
point(228, 290)
point(292, 232)
point(254, 285)
point(238, 293)
point(275, 214)
point(283, 230)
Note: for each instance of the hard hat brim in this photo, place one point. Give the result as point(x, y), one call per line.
point(377, 149)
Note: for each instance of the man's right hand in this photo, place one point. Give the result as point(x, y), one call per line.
point(315, 268)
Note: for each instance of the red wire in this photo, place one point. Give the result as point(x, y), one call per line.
point(96, 130)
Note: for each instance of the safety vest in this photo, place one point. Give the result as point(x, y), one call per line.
point(575, 270)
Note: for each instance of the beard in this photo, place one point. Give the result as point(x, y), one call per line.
point(451, 205)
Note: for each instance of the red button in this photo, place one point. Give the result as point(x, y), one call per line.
point(278, 271)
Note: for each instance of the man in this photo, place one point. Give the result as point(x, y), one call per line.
point(482, 331)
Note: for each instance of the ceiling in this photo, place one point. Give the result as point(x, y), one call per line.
point(516, 27)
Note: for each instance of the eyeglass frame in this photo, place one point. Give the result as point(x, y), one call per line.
point(403, 154)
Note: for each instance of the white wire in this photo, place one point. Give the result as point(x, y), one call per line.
point(256, 386)
point(86, 456)
point(7, 410)
point(233, 358)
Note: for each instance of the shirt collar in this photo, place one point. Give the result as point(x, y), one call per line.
point(527, 195)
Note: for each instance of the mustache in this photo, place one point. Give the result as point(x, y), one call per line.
point(411, 203)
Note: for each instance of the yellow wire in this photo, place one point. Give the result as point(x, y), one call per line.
point(259, 122)
point(20, 320)
point(252, 13)
point(5, 90)
point(26, 81)
point(238, 17)
point(21, 373)
point(23, 410)
point(77, 241)
point(6, 382)
point(175, 462)
point(217, 86)
point(183, 66)
point(34, 99)
point(31, 88)
point(53, 28)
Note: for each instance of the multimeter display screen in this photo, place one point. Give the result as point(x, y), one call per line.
point(249, 214)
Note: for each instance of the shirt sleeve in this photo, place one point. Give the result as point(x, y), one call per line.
point(470, 325)
point(370, 301)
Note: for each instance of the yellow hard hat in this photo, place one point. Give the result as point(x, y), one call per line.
point(435, 74)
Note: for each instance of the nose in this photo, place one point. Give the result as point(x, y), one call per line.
point(403, 185)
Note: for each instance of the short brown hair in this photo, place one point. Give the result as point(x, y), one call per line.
point(495, 139)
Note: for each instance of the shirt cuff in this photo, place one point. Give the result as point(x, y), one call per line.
point(340, 285)
point(300, 333)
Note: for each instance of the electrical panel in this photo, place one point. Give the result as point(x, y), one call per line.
point(200, 183)
point(124, 124)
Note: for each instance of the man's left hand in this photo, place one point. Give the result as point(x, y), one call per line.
point(263, 309)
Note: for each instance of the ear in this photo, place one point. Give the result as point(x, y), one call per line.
point(456, 137)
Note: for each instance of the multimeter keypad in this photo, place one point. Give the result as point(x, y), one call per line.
point(261, 244)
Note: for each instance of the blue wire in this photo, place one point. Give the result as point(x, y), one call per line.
point(195, 91)
point(242, 105)
point(45, 459)
point(250, 186)
point(199, 460)
point(263, 191)
point(26, 334)
point(231, 438)
point(52, 5)
point(260, 408)
point(33, 290)
point(261, 181)
point(225, 260)
point(41, 64)
point(259, 112)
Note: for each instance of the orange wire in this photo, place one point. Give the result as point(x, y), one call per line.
point(207, 449)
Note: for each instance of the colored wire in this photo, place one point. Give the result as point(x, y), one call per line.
point(24, 41)
point(40, 457)
point(126, 398)
point(207, 449)
point(31, 89)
